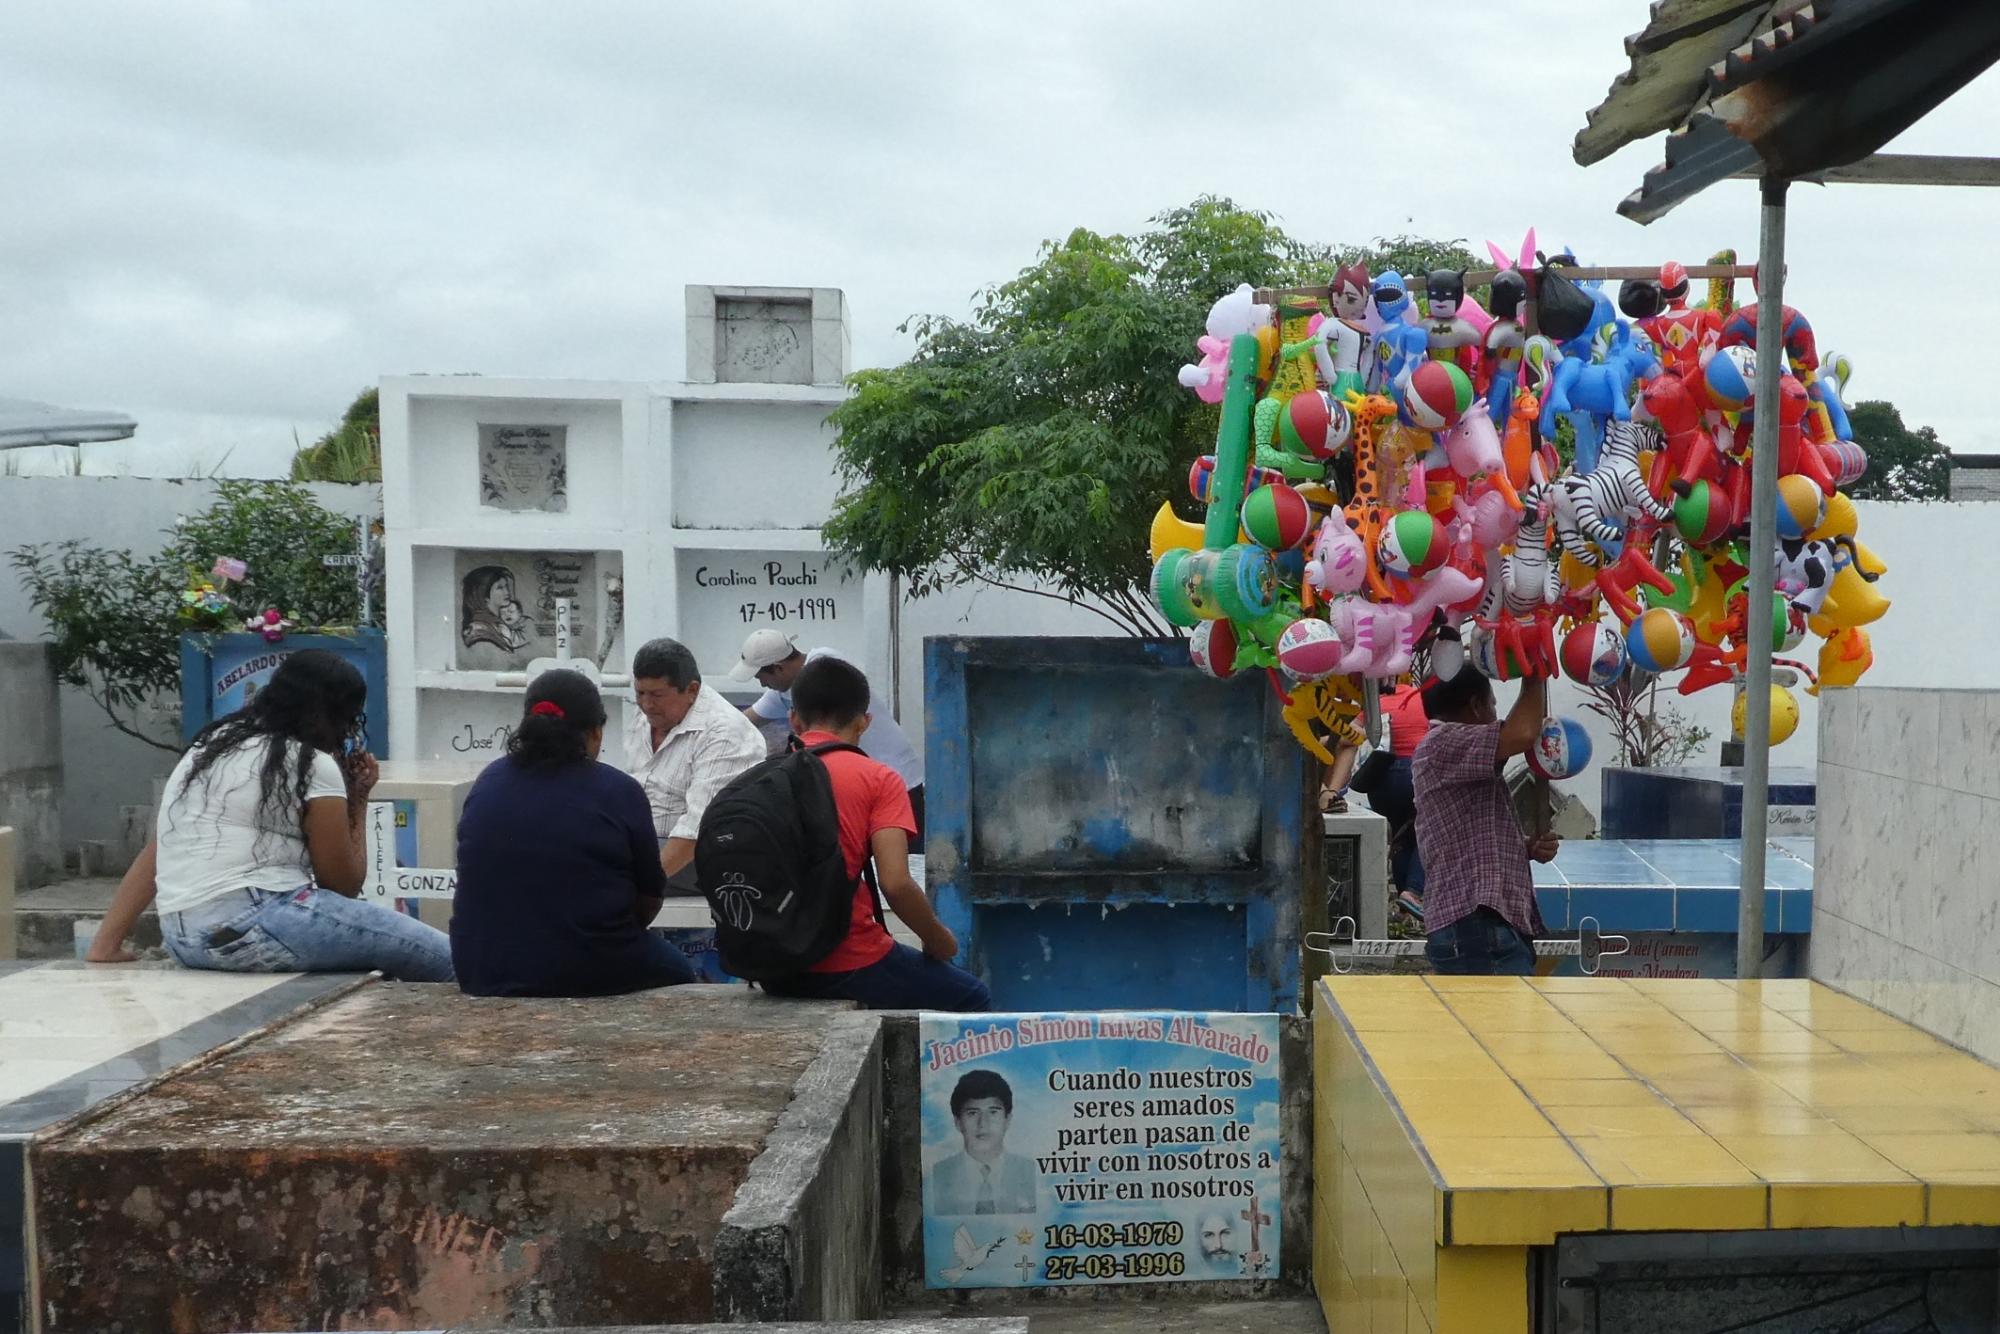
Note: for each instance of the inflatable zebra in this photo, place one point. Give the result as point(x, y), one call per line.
point(1523, 583)
point(1593, 510)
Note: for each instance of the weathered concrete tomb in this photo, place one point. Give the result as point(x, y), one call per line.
point(409, 1158)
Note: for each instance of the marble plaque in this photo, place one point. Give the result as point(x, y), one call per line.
point(524, 468)
point(764, 341)
point(507, 606)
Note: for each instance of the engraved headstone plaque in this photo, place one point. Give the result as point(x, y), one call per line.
point(507, 605)
point(524, 468)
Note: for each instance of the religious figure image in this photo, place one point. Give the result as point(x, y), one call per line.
point(983, 1178)
point(490, 613)
point(1215, 1245)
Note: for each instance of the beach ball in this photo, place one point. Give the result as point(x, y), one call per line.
point(1561, 749)
point(1593, 654)
point(1784, 714)
point(1794, 632)
point(1731, 377)
point(1482, 650)
point(1413, 544)
point(1704, 514)
point(1212, 649)
point(1801, 505)
point(1276, 517)
point(1315, 423)
point(1660, 641)
point(1201, 478)
point(1436, 395)
point(1310, 649)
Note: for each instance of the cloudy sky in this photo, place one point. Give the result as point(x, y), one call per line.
point(226, 218)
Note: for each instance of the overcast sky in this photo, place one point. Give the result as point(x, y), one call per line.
point(226, 218)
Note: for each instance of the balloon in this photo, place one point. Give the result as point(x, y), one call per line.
point(1593, 654)
point(1413, 545)
point(1212, 649)
point(1660, 641)
point(1315, 424)
point(1801, 506)
point(1437, 395)
point(1311, 649)
point(1277, 517)
point(1731, 377)
point(1561, 750)
point(1784, 714)
point(1704, 514)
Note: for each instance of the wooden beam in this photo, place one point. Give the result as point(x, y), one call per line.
point(1902, 169)
point(1481, 277)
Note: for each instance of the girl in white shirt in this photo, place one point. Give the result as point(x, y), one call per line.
point(260, 847)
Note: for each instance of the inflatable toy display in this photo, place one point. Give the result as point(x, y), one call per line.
point(1576, 503)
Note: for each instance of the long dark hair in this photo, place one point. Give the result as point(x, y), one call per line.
point(562, 709)
point(315, 698)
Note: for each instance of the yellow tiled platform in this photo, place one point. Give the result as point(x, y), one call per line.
point(1463, 1120)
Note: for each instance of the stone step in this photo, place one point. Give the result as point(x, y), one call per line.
point(46, 918)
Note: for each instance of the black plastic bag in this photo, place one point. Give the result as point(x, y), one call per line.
point(1562, 309)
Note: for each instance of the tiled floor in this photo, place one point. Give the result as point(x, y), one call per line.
point(1526, 1108)
point(58, 1021)
point(72, 1035)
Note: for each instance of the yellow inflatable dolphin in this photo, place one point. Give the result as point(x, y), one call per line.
point(1844, 657)
point(1851, 599)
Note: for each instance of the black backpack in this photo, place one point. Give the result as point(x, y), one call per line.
point(767, 858)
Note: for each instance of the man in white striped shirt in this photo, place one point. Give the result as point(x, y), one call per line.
point(684, 743)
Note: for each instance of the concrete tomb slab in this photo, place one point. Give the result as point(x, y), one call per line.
point(409, 1157)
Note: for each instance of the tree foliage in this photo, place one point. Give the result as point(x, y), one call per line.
point(113, 617)
point(351, 451)
point(1902, 464)
point(1030, 445)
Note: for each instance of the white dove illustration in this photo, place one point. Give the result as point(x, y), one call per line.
point(970, 1256)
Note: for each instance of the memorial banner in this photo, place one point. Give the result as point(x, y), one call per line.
point(1064, 1149)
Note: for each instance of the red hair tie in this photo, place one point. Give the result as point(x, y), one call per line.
point(547, 708)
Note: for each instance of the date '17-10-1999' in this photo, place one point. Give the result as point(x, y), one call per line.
point(798, 609)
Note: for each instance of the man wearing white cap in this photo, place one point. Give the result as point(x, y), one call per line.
point(774, 660)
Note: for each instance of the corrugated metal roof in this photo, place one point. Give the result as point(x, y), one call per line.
point(1808, 86)
point(1671, 58)
point(25, 424)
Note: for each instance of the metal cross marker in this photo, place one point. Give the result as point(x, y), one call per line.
point(1343, 947)
point(387, 881)
point(362, 558)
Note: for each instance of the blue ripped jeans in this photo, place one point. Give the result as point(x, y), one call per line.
point(307, 930)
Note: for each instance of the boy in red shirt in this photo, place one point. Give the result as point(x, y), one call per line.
point(830, 703)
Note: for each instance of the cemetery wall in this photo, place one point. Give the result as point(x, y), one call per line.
point(30, 762)
point(104, 771)
point(1904, 914)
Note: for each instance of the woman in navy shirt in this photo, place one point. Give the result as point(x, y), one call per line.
point(558, 871)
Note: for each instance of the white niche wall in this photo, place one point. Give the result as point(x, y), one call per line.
point(500, 495)
point(703, 500)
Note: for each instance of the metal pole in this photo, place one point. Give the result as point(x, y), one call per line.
point(1763, 546)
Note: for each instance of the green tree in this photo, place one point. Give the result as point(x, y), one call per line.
point(114, 618)
point(351, 451)
point(1902, 464)
point(1029, 446)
